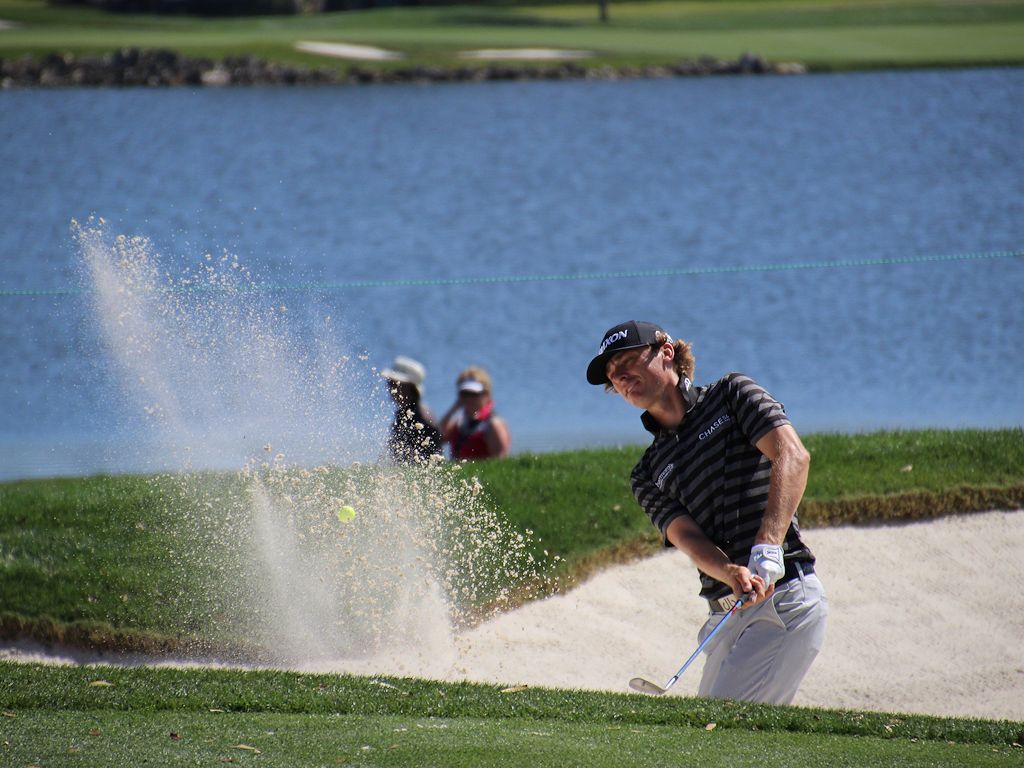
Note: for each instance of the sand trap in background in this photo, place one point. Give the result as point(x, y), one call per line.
point(525, 54)
point(347, 51)
point(925, 618)
point(370, 53)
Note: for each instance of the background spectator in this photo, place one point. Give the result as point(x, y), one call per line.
point(415, 436)
point(472, 428)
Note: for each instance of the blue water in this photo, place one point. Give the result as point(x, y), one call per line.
point(332, 185)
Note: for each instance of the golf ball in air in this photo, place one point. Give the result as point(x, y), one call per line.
point(346, 514)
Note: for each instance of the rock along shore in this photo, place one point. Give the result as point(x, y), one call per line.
point(164, 68)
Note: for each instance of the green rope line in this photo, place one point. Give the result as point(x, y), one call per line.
point(625, 275)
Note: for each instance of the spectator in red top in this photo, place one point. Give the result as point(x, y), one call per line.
point(471, 427)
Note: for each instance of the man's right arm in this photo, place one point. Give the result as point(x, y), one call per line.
point(684, 534)
point(688, 538)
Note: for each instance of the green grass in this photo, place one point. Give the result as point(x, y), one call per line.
point(895, 462)
point(825, 34)
point(105, 739)
point(105, 716)
point(107, 551)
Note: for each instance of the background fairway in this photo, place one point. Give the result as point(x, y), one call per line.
point(823, 34)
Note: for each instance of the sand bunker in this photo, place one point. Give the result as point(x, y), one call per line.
point(925, 618)
point(348, 51)
point(525, 54)
point(370, 53)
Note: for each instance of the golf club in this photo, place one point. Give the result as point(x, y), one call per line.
point(646, 686)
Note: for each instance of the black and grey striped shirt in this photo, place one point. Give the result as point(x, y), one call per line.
point(710, 469)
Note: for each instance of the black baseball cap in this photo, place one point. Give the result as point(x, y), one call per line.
point(628, 335)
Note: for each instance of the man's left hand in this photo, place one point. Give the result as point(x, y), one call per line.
point(766, 562)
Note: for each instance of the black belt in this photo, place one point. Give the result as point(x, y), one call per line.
point(794, 569)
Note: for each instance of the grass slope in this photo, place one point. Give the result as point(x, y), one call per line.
point(824, 34)
point(580, 502)
point(120, 561)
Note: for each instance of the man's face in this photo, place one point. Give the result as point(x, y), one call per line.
point(639, 375)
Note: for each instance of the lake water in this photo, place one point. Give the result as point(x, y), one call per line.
point(332, 197)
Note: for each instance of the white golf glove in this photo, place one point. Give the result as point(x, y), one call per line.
point(766, 562)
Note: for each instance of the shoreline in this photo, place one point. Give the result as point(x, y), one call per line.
point(135, 67)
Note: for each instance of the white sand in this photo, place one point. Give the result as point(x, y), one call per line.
point(925, 618)
point(347, 51)
point(527, 54)
point(371, 53)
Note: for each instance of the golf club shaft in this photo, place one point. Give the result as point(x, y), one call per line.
point(739, 604)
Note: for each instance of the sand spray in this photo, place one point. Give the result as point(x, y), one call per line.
point(297, 544)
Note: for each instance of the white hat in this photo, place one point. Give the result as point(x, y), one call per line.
point(407, 371)
point(473, 386)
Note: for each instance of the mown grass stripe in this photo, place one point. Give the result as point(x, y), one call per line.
point(141, 689)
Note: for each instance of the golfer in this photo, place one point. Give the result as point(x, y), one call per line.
point(721, 481)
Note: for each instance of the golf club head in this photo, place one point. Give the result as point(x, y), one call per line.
point(640, 685)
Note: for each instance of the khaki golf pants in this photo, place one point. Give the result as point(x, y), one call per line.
point(763, 653)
